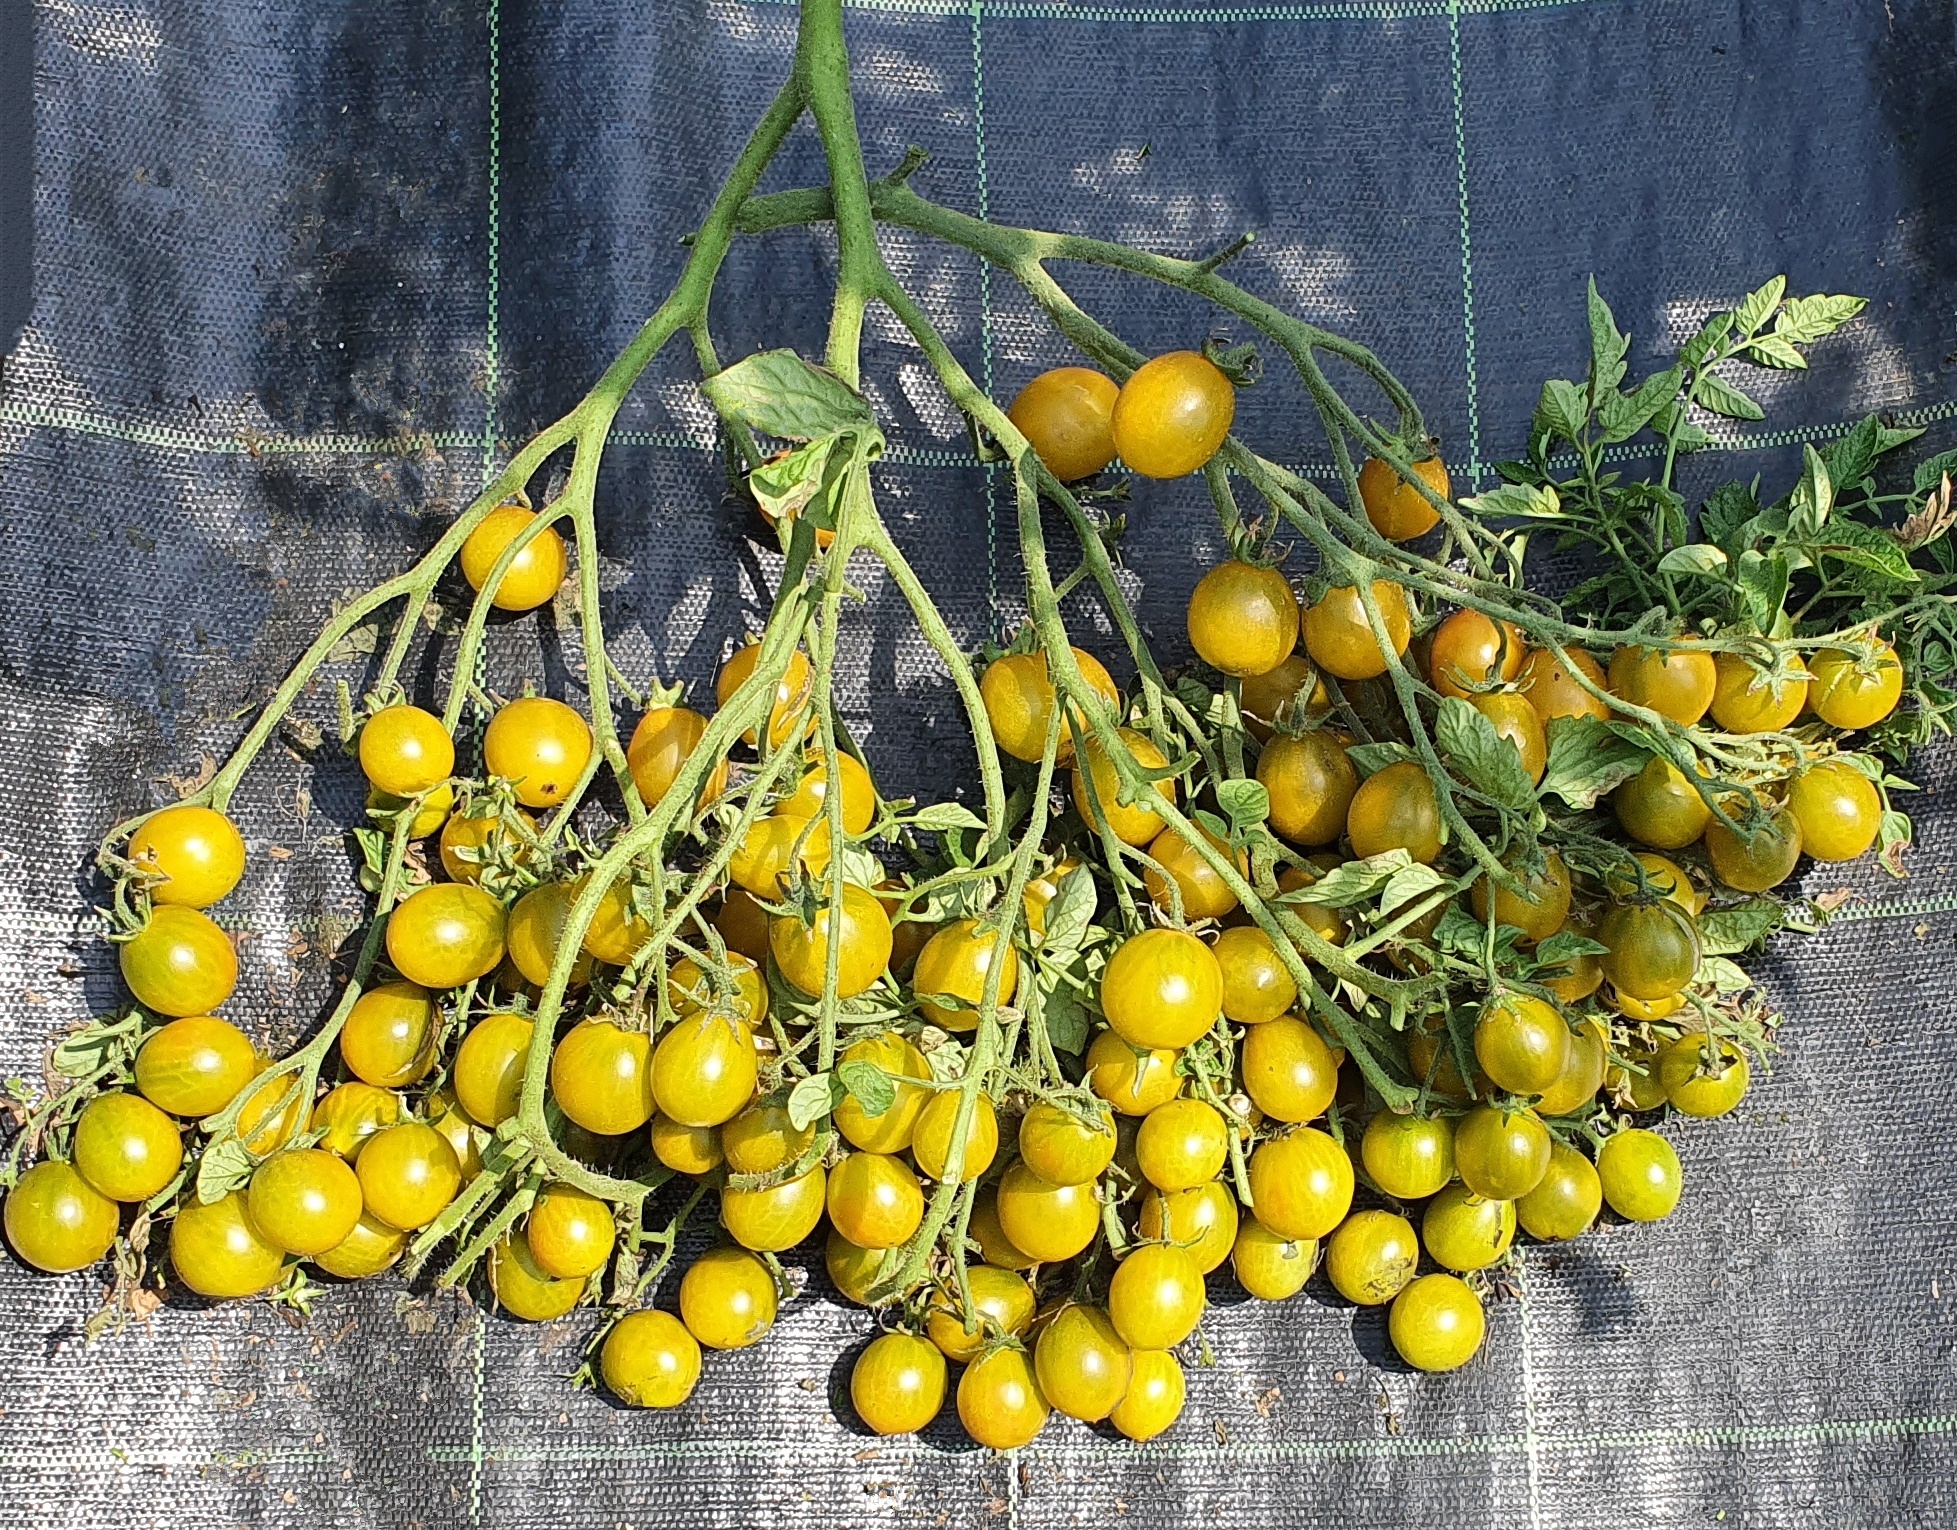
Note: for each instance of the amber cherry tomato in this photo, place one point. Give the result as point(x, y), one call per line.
point(1271, 1268)
point(1172, 414)
point(1340, 639)
point(1567, 1201)
point(1437, 1323)
point(350, 1114)
point(1522, 1043)
point(1470, 651)
point(661, 744)
point(1134, 1080)
point(195, 1066)
point(369, 1249)
point(811, 794)
point(1539, 910)
point(727, 1299)
point(1553, 691)
point(1257, 988)
point(1838, 808)
point(1370, 1257)
point(617, 931)
point(482, 839)
point(1243, 618)
point(1641, 1176)
point(1182, 1144)
point(897, 1385)
point(1203, 1221)
point(180, 962)
point(570, 1232)
point(1660, 808)
point(743, 924)
point(1067, 417)
point(852, 1270)
point(444, 935)
point(1002, 1304)
point(1199, 885)
point(125, 1147)
point(801, 950)
point(1516, 722)
point(1855, 691)
point(954, 965)
point(408, 1174)
point(1501, 1154)
point(649, 1360)
point(1047, 1222)
point(774, 847)
point(1097, 789)
point(999, 1400)
point(1301, 1184)
point(1020, 697)
point(1678, 685)
point(1288, 1071)
point(405, 750)
point(219, 1252)
point(1083, 1365)
point(1396, 809)
point(777, 1218)
point(1156, 1297)
point(1583, 1072)
point(1758, 861)
point(1311, 782)
point(704, 1070)
point(304, 1200)
point(761, 1139)
point(994, 1246)
point(894, 1129)
point(792, 691)
point(197, 851)
point(488, 1068)
point(1396, 507)
point(874, 1200)
point(389, 1035)
point(523, 1288)
point(540, 745)
point(1701, 1080)
point(1162, 988)
point(1294, 684)
point(1464, 1231)
point(56, 1221)
point(1745, 699)
point(1409, 1157)
point(1064, 1147)
point(601, 1077)
point(534, 574)
point(931, 1143)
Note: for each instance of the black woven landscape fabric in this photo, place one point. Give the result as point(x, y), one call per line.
point(302, 269)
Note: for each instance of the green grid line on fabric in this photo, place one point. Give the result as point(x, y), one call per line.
point(985, 304)
point(1473, 465)
point(478, 1391)
point(1895, 908)
point(493, 277)
point(1183, 15)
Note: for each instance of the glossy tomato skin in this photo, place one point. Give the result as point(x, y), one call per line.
point(999, 1400)
point(775, 848)
point(1539, 911)
point(539, 744)
point(761, 1139)
point(1257, 987)
point(649, 1360)
point(404, 751)
point(1522, 1043)
point(792, 691)
point(1678, 685)
point(1552, 689)
point(1020, 696)
point(994, 1246)
point(1083, 1365)
point(1003, 1304)
point(811, 795)
point(488, 1069)
point(1311, 782)
point(1838, 808)
point(1271, 1268)
point(1660, 808)
point(1396, 507)
point(1182, 1144)
point(1162, 988)
point(408, 1174)
point(776, 1219)
point(954, 965)
point(1134, 1080)
point(523, 1288)
point(1046, 1222)
point(1288, 1071)
point(1566, 1203)
point(897, 1385)
point(1154, 1397)
point(1197, 884)
point(1203, 1220)
point(533, 576)
point(801, 951)
point(1156, 1297)
point(125, 1147)
point(1464, 1231)
point(1064, 1148)
point(1301, 1184)
point(180, 962)
point(304, 1200)
point(931, 1143)
point(1243, 618)
point(1396, 809)
point(1653, 949)
point(1641, 1176)
point(444, 935)
point(1339, 637)
point(1409, 1157)
point(1471, 651)
point(1850, 691)
point(1371, 1256)
point(601, 1077)
point(1583, 1072)
point(195, 1066)
point(1097, 790)
point(1172, 414)
point(661, 744)
point(1501, 1154)
point(704, 1070)
point(534, 932)
point(1516, 722)
point(475, 835)
point(1758, 862)
point(389, 1036)
point(369, 1249)
point(727, 1299)
point(1437, 1323)
point(1067, 417)
point(1700, 1080)
point(874, 1200)
point(894, 1129)
point(197, 851)
point(218, 1252)
point(1293, 684)
point(743, 924)
point(350, 1114)
point(1745, 699)
point(57, 1221)
point(570, 1233)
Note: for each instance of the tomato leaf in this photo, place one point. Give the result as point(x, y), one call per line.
point(1725, 931)
point(780, 394)
point(225, 1166)
point(1371, 759)
point(1063, 1014)
point(1353, 882)
point(1587, 759)
point(1248, 803)
point(815, 1096)
point(1806, 319)
point(1852, 458)
point(1721, 397)
point(1071, 913)
point(1481, 756)
point(869, 1085)
point(1561, 410)
point(1525, 501)
point(1565, 947)
point(1608, 346)
point(943, 816)
point(1758, 306)
point(1763, 586)
point(1694, 558)
point(1863, 546)
point(783, 485)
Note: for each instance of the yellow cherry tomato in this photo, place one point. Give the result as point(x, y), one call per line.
point(1339, 635)
point(649, 1360)
point(405, 750)
point(661, 744)
point(445, 935)
point(536, 572)
point(1855, 691)
point(540, 745)
point(1747, 700)
point(125, 1147)
point(1067, 417)
point(1243, 618)
point(197, 851)
point(195, 1066)
point(792, 692)
point(218, 1251)
point(1097, 789)
point(1020, 696)
point(180, 962)
point(1173, 414)
point(1396, 507)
